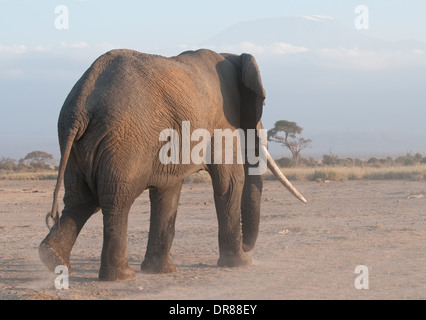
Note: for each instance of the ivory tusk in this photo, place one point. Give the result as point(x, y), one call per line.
point(280, 176)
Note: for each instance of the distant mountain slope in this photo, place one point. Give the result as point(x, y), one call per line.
point(313, 32)
point(352, 93)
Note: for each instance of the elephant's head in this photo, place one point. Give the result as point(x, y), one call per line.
point(252, 102)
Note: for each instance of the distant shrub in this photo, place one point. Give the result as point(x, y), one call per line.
point(407, 160)
point(324, 175)
point(286, 162)
point(374, 162)
point(330, 160)
point(311, 162)
point(397, 175)
point(39, 175)
point(333, 161)
point(7, 163)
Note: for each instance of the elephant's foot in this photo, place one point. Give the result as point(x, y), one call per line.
point(51, 258)
point(248, 247)
point(233, 260)
point(158, 265)
point(124, 273)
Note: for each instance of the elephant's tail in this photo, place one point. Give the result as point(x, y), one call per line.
point(54, 213)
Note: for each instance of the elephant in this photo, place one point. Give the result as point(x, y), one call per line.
point(108, 130)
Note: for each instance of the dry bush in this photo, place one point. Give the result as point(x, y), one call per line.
point(416, 173)
point(338, 173)
point(39, 175)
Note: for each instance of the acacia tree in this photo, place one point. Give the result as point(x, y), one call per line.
point(7, 163)
point(39, 159)
point(286, 133)
point(38, 156)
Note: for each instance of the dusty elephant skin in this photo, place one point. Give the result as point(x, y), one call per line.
point(109, 129)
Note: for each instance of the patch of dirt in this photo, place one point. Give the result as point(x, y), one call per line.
point(304, 251)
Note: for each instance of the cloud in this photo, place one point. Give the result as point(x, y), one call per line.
point(318, 18)
point(242, 47)
point(74, 45)
point(366, 60)
point(285, 48)
point(13, 49)
point(277, 48)
point(13, 73)
point(23, 49)
point(418, 52)
point(20, 61)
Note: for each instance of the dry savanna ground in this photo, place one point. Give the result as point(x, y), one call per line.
point(304, 251)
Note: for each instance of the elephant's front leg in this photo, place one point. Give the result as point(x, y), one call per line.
point(228, 183)
point(164, 204)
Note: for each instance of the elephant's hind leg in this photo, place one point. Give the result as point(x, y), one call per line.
point(80, 204)
point(115, 210)
point(164, 204)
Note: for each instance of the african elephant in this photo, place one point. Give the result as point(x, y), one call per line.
point(109, 128)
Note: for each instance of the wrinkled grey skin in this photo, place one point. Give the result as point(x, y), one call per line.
point(109, 129)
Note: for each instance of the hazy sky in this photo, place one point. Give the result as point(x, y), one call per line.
point(39, 63)
point(150, 23)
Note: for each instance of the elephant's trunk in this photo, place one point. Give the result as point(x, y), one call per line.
point(250, 210)
point(251, 198)
point(280, 176)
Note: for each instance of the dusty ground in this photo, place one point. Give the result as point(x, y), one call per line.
point(304, 251)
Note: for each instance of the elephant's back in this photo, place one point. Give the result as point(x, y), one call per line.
point(128, 97)
point(152, 92)
point(127, 83)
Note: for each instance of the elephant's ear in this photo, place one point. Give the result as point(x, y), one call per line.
point(253, 94)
